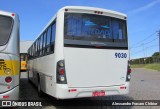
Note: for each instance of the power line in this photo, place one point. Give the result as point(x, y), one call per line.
point(151, 41)
point(145, 38)
point(145, 43)
point(143, 49)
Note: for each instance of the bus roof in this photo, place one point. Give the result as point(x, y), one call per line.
point(5, 13)
point(93, 8)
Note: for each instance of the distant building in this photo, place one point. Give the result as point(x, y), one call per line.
point(24, 45)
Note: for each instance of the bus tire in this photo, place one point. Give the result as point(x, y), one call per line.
point(40, 93)
point(28, 76)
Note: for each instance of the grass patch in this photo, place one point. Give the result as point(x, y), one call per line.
point(153, 66)
point(138, 66)
point(147, 66)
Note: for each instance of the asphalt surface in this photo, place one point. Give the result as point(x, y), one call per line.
point(144, 85)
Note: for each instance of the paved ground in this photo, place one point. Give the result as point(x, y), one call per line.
point(145, 85)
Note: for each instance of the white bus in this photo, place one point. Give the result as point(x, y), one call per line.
point(82, 52)
point(9, 56)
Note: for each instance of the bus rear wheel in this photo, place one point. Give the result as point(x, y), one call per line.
point(28, 76)
point(40, 93)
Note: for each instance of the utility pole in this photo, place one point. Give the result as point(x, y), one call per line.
point(144, 53)
point(143, 50)
point(159, 40)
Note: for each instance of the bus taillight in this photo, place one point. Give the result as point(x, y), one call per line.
point(8, 79)
point(128, 77)
point(61, 71)
point(129, 70)
point(61, 76)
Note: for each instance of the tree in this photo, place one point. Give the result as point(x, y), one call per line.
point(149, 60)
point(156, 57)
point(156, 54)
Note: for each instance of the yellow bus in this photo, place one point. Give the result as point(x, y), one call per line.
point(23, 61)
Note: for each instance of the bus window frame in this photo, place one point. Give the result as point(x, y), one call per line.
point(41, 42)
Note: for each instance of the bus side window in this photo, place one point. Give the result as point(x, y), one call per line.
point(41, 44)
point(33, 51)
point(48, 39)
point(53, 36)
point(44, 43)
point(36, 48)
point(39, 41)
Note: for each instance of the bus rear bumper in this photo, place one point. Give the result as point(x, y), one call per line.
point(12, 94)
point(63, 92)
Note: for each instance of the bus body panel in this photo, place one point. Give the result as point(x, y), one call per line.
point(94, 67)
point(45, 68)
point(9, 59)
point(8, 86)
point(62, 91)
point(12, 94)
point(91, 10)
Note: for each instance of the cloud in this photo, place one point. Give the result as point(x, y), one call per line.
point(145, 7)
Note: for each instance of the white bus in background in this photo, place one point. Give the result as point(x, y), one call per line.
point(9, 56)
point(82, 52)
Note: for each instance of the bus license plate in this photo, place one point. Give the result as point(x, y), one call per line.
point(98, 93)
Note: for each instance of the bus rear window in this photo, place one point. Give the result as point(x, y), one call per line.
point(5, 29)
point(90, 29)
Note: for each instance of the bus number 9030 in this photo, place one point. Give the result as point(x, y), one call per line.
point(120, 55)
